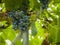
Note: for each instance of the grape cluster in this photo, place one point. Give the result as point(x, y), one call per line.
point(20, 20)
point(44, 3)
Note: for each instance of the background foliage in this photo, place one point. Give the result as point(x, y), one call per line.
point(46, 25)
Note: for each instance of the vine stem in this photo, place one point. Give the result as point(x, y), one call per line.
point(25, 37)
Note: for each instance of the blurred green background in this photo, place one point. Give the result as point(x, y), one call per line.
point(46, 26)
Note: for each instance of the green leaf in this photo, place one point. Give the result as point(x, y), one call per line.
point(12, 4)
point(2, 42)
point(33, 28)
point(9, 34)
point(18, 42)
